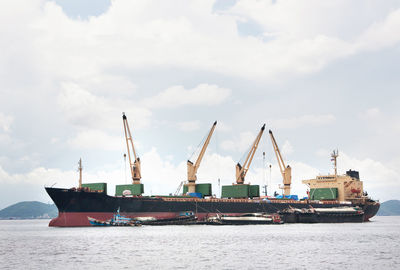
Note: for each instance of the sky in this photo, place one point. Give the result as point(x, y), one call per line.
point(322, 75)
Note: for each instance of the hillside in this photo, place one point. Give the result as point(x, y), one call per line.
point(389, 208)
point(28, 210)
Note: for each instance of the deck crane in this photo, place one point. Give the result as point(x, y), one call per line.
point(241, 170)
point(135, 165)
point(286, 171)
point(192, 168)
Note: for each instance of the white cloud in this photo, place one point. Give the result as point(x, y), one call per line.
point(81, 106)
point(5, 122)
point(39, 176)
point(371, 113)
point(307, 36)
point(175, 96)
point(323, 153)
point(95, 139)
point(191, 36)
point(54, 140)
point(304, 120)
point(300, 18)
point(381, 34)
point(159, 175)
point(6, 138)
point(241, 143)
point(223, 127)
point(110, 85)
point(84, 109)
point(228, 145)
point(374, 173)
point(189, 125)
point(287, 148)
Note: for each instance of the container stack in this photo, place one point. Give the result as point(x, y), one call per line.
point(204, 189)
point(99, 187)
point(133, 189)
point(240, 191)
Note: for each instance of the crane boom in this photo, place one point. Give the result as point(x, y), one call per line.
point(241, 171)
point(192, 168)
point(286, 171)
point(135, 165)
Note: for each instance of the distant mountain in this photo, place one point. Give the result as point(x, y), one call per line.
point(389, 208)
point(28, 210)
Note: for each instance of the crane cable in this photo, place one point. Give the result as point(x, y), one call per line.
point(198, 146)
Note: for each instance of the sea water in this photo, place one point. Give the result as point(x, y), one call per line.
point(31, 244)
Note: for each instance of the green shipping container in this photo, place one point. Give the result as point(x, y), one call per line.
point(235, 191)
point(254, 191)
point(100, 187)
point(135, 189)
point(205, 189)
point(323, 193)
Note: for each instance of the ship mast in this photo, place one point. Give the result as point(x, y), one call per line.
point(80, 172)
point(285, 171)
point(241, 171)
point(192, 168)
point(135, 165)
point(334, 156)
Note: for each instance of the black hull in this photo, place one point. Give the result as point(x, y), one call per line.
point(322, 217)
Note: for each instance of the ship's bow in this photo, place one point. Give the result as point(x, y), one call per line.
point(370, 210)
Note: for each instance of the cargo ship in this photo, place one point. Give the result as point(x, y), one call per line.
point(75, 205)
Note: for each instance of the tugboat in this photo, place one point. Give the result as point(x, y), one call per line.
point(116, 220)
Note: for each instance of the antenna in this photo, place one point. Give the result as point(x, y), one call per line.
point(264, 181)
point(80, 172)
point(334, 156)
point(264, 168)
point(219, 186)
point(270, 175)
point(125, 166)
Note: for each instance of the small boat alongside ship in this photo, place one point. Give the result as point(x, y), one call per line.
point(322, 215)
point(331, 198)
point(116, 220)
point(188, 218)
point(244, 219)
point(183, 218)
